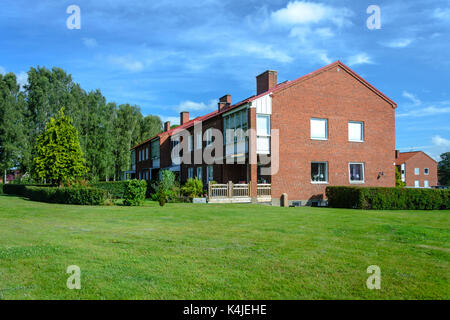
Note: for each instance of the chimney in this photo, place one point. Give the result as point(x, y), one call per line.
point(184, 117)
point(397, 153)
point(266, 81)
point(167, 126)
point(224, 102)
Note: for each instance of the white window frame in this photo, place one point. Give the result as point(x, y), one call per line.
point(426, 184)
point(326, 172)
point(416, 184)
point(416, 171)
point(362, 131)
point(200, 173)
point(426, 171)
point(311, 128)
point(363, 173)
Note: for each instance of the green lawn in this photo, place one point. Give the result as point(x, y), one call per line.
point(186, 251)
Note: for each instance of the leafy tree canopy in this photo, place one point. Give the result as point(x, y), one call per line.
point(444, 169)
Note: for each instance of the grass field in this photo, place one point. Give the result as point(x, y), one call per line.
point(186, 251)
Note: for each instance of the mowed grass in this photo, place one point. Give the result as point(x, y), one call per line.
point(187, 251)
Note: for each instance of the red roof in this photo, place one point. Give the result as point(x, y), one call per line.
point(405, 156)
point(277, 88)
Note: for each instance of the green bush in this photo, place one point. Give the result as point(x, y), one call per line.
point(387, 198)
point(162, 198)
point(135, 192)
point(19, 189)
point(1, 188)
point(115, 189)
point(72, 195)
point(193, 188)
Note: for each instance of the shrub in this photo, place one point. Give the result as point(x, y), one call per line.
point(387, 198)
point(162, 198)
point(166, 186)
point(134, 194)
point(65, 195)
point(1, 188)
point(19, 189)
point(193, 188)
point(115, 189)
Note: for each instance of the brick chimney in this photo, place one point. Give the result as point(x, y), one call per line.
point(167, 126)
point(266, 81)
point(184, 117)
point(224, 102)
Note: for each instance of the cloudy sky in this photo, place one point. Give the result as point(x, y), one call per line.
point(167, 56)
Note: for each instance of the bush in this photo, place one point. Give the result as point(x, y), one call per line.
point(162, 198)
point(167, 187)
point(388, 198)
point(134, 194)
point(193, 188)
point(19, 189)
point(115, 189)
point(1, 188)
point(72, 195)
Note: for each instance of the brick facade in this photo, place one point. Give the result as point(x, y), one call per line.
point(417, 160)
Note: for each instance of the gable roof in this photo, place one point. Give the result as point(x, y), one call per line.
point(405, 156)
point(277, 88)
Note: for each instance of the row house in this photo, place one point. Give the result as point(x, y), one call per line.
point(417, 169)
point(329, 127)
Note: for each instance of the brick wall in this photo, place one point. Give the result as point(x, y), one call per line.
point(421, 161)
point(340, 98)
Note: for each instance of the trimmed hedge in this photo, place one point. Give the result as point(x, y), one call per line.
point(379, 198)
point(135, 192)
point(19, 189)
point(115, 189)
point(73, 195)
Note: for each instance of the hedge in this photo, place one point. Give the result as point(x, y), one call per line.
point(115, 189)
point(387, 198)
point(73, 195)
point(19, 189)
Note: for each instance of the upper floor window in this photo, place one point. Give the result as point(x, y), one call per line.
point(319, 172)
point(208, 136)
point(263, 125)
point(146, 153)
point(319, 129)
point(426, 171)
point(200, 173)
point(155, 149)
point(190, 143)
point(355, 131)
point(190, 173)
point(416, 171)
point(356, 172)
point(198, 141)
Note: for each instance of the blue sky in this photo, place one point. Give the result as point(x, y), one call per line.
point(166, 56)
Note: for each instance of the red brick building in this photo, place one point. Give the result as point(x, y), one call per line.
point(329, 127)
point(417, 169)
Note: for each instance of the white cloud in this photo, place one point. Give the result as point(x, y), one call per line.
point(300, 12)
point(443, 14)
point(428, 111)
point(361, 58)
point(324, 58)
point(412, 98)
point(173, 120)
point(127, 63)
point(22, 78)
point(398, 43)
point(90, 42)
point(440, 142)
point(196, 106)
point(2, 70)
point(263, 51)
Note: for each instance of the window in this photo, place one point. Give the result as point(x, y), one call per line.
point(190, 173)
point(198, 142)
point(416, 184)
point(208, 136)
point(426, 184)
point(263, 125)
point(190, 143)
point(199, 173)
point(146, 153)
point(356, 131)
point(356, 172)
point(209, 173)
point(426, 171)
point(155, 149)
point(319, 172)
point(416, 171)
point(319, 129)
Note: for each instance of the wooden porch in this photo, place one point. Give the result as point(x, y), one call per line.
point(238, 193)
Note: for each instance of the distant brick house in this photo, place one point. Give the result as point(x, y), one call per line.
point(417, 169)
point(329, 127)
